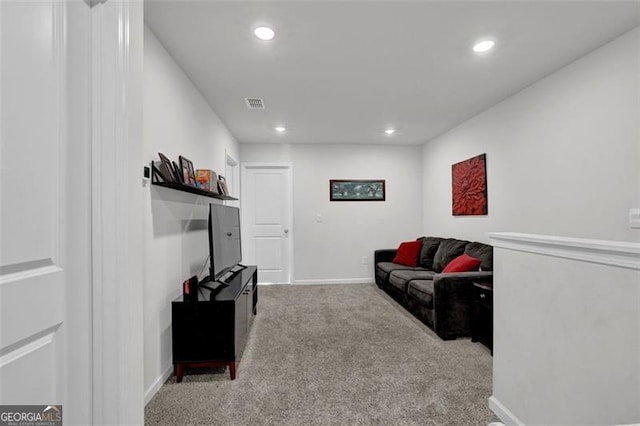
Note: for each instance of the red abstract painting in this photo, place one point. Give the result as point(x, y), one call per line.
point(469, 186)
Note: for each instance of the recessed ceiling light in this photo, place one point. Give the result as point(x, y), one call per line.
point(483, 46)
point(390, 131)
point(280, 129)
point(264, 33)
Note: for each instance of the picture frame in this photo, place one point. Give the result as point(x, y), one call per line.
point(469, 187)
point(156, 174)
point(357, 190)
point(188, 172)
point(222, 185)
point(166, 169)
point(177, 172)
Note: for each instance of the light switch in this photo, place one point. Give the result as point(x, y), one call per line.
point(634, 218)
point(318, 218)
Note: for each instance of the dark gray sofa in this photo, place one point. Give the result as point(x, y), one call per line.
point(442, 300)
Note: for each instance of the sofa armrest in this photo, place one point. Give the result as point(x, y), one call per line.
point(384, 255)
point(453, 302)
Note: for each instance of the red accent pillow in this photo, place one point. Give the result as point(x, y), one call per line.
point(408, 253)
point(463, 263)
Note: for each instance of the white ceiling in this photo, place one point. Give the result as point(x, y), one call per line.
point(342, 71)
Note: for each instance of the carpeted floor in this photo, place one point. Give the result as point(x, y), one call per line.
point(336, 354)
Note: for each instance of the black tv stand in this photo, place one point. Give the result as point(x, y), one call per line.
point(212, 331)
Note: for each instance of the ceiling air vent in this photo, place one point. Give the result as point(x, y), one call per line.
point(254, 103)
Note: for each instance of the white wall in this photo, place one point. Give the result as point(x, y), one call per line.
point(563, 159)
point(177, 121)
point(563, 155)
point(332, 251)
point(566, 342)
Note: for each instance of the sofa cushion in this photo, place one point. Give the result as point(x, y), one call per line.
point(400, 278)
point(422, 292)
point(484, 252)
point(462, 263)
point(428, 251)
point(408, 253)
point(448, 250)
point(384, 268)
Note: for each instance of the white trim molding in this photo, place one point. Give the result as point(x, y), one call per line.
point(503, 413)
point(267, 165)
point(613, 253)
point(118, 392)
point(157, 384)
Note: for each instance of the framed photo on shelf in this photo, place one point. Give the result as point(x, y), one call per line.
point(177, 172)
point(222, 185)
point(188, 173)
point(166, 169)
point(157, 174)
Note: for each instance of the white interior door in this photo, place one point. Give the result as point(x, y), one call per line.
point(267, 221)
point(45, 305)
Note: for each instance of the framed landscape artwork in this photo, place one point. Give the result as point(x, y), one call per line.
point(356, 190)
point(469, 187)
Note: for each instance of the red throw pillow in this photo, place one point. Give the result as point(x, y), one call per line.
point(408, 253)
point(463, 263)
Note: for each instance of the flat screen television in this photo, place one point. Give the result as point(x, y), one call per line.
point(225, 251)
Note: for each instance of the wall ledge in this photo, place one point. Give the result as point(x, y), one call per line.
point(613, 253)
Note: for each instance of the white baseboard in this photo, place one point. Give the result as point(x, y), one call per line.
point(503, 413)
point(157, 384)
point(367, 280)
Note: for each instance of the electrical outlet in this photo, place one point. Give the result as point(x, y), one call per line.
point(365, 260)
point(634, 218)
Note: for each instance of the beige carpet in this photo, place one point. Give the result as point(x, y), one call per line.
point(336, 354)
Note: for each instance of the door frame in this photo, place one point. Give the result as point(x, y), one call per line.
point(117, 29)
point(243, 192)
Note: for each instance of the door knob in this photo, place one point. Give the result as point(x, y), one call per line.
point(286, 231)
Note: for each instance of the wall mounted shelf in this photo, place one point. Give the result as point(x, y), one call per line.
point(191, 189)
